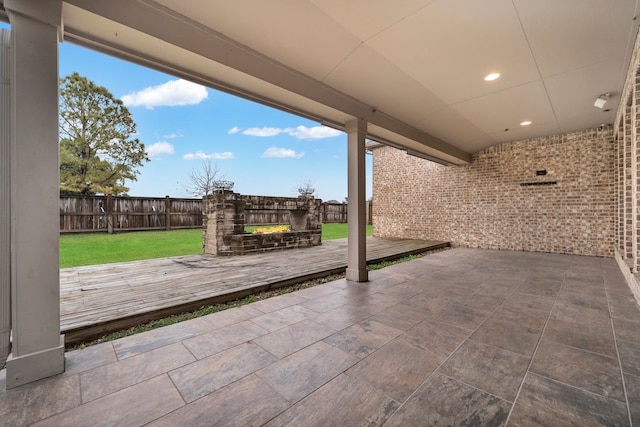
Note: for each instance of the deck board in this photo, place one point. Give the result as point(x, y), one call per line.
point(126, 293)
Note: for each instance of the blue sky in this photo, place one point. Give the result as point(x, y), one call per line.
point(262, 150)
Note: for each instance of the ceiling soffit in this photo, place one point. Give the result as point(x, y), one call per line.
point(152, 19)
point(414, 67)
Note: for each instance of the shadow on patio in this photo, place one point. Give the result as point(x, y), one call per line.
point(461, 337)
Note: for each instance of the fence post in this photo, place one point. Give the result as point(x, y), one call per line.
point(167, 213)
point(109, 214)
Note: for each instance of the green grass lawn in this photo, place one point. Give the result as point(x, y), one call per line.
point(102, 248)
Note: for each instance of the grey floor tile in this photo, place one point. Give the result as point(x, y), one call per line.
point(88, 358)
point(205, 345)
point(591, 277)
point(396, 369)
point(33, 402)
point(629, 357)
point(578, 287)
point(272, 304)
point(316, 291)
point(495, 289)
point(363, 338)
point(510, 336)
point(576, 314)
point(154, 339)
point(290, 339)
point(544, 402)
point(624, 306)
point(443, 401)
point(541, 286)
point(586, 301)
point(224, 318)
point(312, 367)
point(617, 287)
point(427, 303)
point(595, 339)
point(212, 373)
point(325, 303)
point(399, 316)
point(461, 316)
point(382, 279)
point(632, 384)
point(488, 368)
point(133, 406)
point(438, 338)
point(582, 369)
point(247, 402)
point(341, 317)
point(405, 290)
point(283, 317)
point(125, 373)
point(527, 310)
point(627, 329)
point(344, 401)
point(374, 303)
point(481, 302)
point(529, 302)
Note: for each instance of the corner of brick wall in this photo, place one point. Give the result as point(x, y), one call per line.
point(483, 205)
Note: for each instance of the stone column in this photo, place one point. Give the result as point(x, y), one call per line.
point(224, 218)
point(356, 209)
point(37, 346)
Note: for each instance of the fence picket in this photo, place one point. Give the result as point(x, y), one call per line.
point(89, 214)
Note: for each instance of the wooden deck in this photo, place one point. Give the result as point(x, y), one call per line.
point(98, 299)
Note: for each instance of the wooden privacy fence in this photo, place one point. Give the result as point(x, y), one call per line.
point(329, 213)
point(87, 214)
point(83, 214)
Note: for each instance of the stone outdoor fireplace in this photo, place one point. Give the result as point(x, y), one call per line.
point(224, 221)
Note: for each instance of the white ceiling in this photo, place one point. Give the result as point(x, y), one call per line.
point(413, 68)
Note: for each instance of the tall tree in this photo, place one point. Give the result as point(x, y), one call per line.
point(98, 151)
point(202, 181)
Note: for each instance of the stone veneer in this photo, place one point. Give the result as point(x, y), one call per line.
point(484, 205)
point(224, 221)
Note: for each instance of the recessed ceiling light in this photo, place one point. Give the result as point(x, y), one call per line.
point(491, 77)
point(525, 123)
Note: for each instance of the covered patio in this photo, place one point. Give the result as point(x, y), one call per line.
point(461, 337)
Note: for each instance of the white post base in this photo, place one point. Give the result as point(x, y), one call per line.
point(35, 366)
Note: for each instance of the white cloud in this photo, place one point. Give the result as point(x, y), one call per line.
point(173, 135)
point(162, 147)
point(301, 132)
point(172, 93)
point(315, 132)
point(282, 153)
point(264, 131)
point(201, 155)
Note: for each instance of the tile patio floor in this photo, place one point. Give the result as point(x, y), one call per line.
point(461, 337)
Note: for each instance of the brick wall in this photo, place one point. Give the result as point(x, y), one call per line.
point(484, 205)
point(627, 161)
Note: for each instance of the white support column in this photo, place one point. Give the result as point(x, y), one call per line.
point(37, 346)
point(356, 209)
point(5, 197)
